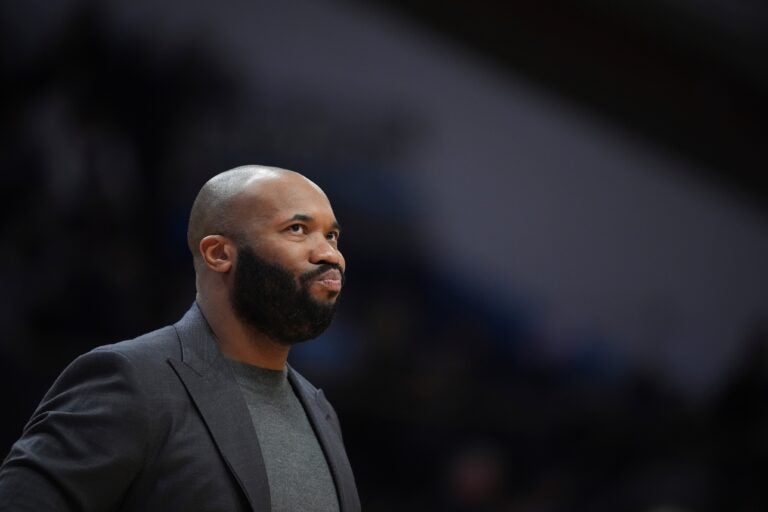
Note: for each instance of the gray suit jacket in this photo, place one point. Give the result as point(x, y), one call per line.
point(157, 423)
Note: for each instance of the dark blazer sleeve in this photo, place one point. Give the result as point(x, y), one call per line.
point(84, 444)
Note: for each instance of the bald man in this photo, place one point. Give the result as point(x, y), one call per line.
point(206, 414)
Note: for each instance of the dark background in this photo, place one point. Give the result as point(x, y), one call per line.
point(467, 372)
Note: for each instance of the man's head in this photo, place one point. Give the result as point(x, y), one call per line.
point(265, 244)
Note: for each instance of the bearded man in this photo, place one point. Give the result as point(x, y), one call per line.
point(206, 414)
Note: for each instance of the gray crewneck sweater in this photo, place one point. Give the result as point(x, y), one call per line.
point(298, 473)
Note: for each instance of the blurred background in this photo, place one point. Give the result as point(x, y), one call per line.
point(555, 220)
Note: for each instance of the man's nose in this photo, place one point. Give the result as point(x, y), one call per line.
point(323, 251)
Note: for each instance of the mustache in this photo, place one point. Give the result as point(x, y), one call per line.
point(322, 269)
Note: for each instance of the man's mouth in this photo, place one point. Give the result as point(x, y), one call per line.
point(330, 279)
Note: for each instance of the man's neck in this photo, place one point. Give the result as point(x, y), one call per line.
point(239, 341)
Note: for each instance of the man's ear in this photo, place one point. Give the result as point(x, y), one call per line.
point(217, 252)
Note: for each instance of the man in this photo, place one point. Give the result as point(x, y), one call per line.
point(206, 415)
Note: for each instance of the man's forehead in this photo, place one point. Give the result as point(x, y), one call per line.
point(285, 196)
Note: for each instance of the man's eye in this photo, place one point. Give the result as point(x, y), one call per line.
point(296, 228)
point(333, 235)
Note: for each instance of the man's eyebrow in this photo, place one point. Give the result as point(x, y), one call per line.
point(308, 218)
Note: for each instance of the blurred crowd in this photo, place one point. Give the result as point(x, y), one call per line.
point(445, 400)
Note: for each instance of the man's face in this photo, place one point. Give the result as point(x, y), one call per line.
point(289, 272)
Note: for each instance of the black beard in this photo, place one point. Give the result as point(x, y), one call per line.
point(267, 297)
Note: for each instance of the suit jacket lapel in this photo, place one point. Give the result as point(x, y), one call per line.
point(209, 381)
point(330, 441)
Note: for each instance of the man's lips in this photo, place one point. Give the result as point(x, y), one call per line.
point(330, 279)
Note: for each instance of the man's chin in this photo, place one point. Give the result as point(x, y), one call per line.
point(324, 298)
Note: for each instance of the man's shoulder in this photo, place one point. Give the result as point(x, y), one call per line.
point(149, 348)
point(140, 363)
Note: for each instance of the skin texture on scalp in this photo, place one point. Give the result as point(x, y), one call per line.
point(215, 210)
